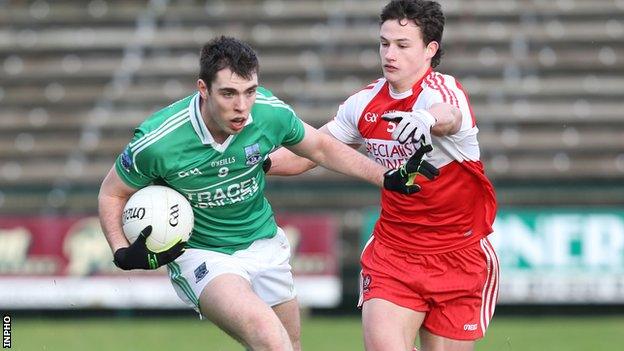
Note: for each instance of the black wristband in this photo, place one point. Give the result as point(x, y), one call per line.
point(266, 165)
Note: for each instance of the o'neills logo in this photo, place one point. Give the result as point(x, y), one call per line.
point(133, 213)
point(389, 153)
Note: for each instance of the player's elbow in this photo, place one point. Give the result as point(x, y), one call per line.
point(456, 120)
point(449, 124)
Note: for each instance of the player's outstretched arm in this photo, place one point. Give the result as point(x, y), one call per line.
point(330, 153)
point(286, 163)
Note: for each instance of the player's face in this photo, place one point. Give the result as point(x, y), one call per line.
point(404, 56)
point(227, 103)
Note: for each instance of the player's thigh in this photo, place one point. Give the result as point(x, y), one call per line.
point(432, 342)
point(388, 326)
point(464, 298)
point(288, 313)
point(273, 281)
point(230, 303)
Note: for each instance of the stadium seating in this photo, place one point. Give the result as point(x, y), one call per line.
point(546, 80)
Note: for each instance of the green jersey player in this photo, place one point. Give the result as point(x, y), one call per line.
point(210, 146)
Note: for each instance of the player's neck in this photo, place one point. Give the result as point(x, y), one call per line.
point(402, 86)
point(218, 135)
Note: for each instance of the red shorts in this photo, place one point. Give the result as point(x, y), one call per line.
point(457, 290)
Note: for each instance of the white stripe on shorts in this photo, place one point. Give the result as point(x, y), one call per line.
point(489, 295)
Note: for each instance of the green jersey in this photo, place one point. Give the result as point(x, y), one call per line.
point(223, 182)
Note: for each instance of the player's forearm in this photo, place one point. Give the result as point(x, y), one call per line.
point(110, 209)
point(448, 119)
point(341, 158)
point(285, 163)
point(111, 201)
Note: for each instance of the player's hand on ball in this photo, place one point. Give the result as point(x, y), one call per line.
point(138, 256)
point(402, 179)
point(412, 126)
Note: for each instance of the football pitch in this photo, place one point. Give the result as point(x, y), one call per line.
point(318, 334)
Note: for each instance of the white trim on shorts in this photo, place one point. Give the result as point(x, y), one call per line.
point(489, 295)
point(361, 278)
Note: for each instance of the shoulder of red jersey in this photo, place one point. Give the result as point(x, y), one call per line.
point(443, 86)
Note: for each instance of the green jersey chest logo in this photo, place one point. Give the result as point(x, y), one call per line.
point(252, 154)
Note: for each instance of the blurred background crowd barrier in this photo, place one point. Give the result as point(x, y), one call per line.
point(545, 78)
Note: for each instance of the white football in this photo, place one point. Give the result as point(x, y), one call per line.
point(166, 210)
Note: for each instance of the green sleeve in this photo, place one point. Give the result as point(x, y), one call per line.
point(135, 165)
point(295, 129)
point(278, 119)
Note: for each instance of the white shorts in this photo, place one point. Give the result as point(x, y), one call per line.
point(265, 264)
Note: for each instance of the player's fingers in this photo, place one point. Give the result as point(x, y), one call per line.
point(174, 252)
point(428, 170)
point(404, 132)
point(175, 255)
point(426, 173)
point(423, 167)
point(417, 136)
point(427, 139)
point(146, 231)
point(426, 148)
point(413, 189)
point(421, 151)
point(413, 163)
point(178, 248)
point(396, 135)
point(404, 136)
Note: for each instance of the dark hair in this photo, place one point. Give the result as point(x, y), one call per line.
point(427, 15)
point(226, 52)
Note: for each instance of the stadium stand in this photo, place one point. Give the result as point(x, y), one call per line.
point(546, 80)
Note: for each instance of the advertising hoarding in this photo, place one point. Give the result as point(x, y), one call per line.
point(554, 255)
point(52, 262)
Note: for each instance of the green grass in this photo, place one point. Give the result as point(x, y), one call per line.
point(322, 334)
point(561, 333)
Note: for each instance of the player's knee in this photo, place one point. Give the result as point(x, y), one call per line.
point(267, 334)
point(294, 333)
point(295, 340)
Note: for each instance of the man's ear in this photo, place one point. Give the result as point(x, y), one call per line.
point(432, 48)
point(203, 89)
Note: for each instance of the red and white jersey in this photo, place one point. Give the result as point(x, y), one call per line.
point(452, 211)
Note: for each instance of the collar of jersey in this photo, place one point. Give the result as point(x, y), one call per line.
point(398, 96)
point(402, 95)
point(202, 131)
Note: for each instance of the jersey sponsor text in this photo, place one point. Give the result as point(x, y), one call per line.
point(231, 194)
point(389, 153)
